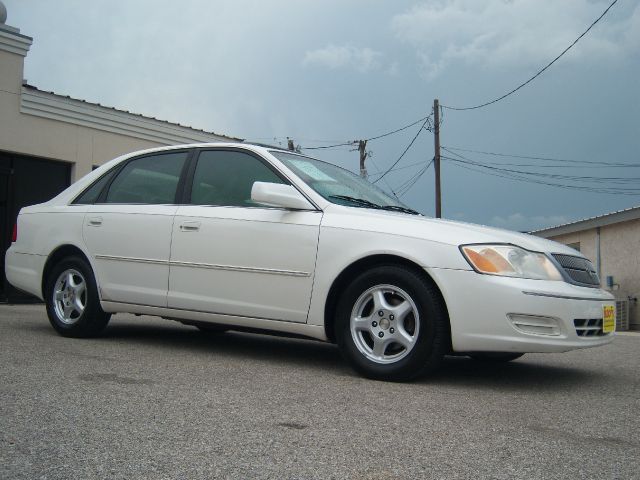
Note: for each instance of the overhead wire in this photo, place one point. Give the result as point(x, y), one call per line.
point(404, 184)
point(385, 182)
point(522, 176)
point(343, 144)
point(549, 159)
point(577, 178)
point(397, 130)
point(565, 186)
point(369, 139)
point(540, 72)
point(397, 169)
point(422, 127)
point(408, 185)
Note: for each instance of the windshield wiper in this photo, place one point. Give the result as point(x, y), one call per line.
point(356, 200)
point(397, 208)
point(366, 203)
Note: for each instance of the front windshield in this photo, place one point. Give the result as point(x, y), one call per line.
point(337, 184)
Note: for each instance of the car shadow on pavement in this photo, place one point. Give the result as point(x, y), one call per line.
point(263, 347)
point(524, 374)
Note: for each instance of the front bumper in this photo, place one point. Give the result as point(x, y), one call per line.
point(485, 312)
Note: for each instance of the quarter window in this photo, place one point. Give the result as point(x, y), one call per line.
point(148, 180)
point(224, 177)
point(91, 194)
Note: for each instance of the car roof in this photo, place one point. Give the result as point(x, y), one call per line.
point(243, 145)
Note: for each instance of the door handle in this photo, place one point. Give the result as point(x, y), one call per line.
point(190, 226)
point(95, 221)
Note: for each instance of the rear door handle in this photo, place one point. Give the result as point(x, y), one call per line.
point(190, 226)
point(95, 221)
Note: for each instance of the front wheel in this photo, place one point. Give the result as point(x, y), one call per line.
point(392, 324)
point(71, 297)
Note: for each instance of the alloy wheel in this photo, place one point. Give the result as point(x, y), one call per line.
point(385, 324)
point(70, 296)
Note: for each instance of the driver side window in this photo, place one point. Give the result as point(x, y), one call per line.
point(225, 178)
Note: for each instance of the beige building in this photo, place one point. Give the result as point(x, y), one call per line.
point(47, 141)
point(612, 243)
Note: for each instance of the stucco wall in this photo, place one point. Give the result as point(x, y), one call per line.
point(620, 258)
point(11, 72)
point(587, 240)
point(79, 145)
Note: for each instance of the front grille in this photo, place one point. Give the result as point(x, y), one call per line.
point(589, 327)
point(579, 270)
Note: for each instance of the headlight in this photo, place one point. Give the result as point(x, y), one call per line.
point(510, 261)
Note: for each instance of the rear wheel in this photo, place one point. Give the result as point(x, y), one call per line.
point(71, 297)
point(497, 357)
point(392, 324)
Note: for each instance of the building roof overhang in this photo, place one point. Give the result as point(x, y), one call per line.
point(625, 215)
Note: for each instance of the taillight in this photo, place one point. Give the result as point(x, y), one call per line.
point(14, 235)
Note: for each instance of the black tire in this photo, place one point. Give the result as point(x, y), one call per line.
point(496, 357)
point(431, 339)
point(92, 320)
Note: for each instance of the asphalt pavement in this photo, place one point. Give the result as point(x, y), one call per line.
point(155, 399)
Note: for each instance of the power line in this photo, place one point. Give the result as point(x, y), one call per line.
point(377, 137)
point(539, 72)
point(343, 144)
point(578, 178)
point(386, 183)
point(398, 130)
point(520, 173)
point(397, 169)
point(609, 191)
point(422, 127)
point(406, 186)
point(468, 164)
point(412, 177)
point(549, 159)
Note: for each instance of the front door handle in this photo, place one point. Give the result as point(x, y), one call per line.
point(190, 226)
point(95, 221)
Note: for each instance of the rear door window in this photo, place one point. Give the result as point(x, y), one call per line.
point(152, 179)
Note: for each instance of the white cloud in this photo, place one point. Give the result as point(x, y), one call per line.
point(345, 56)
point(499, 33)
point(521, 222)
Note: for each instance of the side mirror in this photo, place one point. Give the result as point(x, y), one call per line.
point(278, 195)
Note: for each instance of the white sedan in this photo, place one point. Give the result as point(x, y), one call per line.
point(243, 237)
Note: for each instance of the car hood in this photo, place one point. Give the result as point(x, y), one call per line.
point(433, 229)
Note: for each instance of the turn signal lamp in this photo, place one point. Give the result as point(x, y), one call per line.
point(510, 261)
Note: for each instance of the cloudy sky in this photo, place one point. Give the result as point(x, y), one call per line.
point(331, 71)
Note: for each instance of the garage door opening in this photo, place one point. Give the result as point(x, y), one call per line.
point(25, 181)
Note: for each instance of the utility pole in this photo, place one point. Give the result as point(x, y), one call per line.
point(436, 158)
point(362, 148)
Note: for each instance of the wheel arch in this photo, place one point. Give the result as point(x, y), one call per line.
point(361, 265)
point(59, 253)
